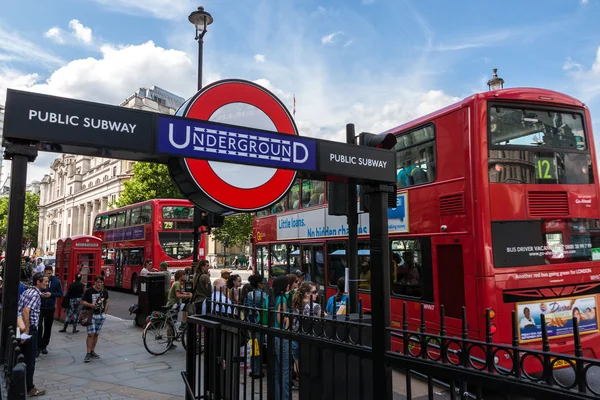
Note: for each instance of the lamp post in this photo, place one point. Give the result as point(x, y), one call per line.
point(495, 83)
point(201, 19)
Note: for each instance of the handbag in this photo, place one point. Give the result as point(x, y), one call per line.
point(85, 317)
point(66, 302)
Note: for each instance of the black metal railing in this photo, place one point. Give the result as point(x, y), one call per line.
point(12, 373)
point(330, 357)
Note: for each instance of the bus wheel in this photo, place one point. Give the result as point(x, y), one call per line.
point(134, 284)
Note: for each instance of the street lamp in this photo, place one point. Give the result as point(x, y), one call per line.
point(495, 83)
point(201, 19)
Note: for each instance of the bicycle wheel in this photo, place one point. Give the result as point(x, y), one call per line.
point(199, 341)
point(158, 336)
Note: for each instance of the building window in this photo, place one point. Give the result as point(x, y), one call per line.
point(114, 171)
point(69, 212)
point(415, 157)
point(71, 190)
point(105, 178)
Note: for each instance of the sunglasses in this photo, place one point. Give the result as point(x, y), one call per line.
point(314, 292)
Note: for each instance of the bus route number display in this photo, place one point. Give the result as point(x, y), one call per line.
point(545, 168)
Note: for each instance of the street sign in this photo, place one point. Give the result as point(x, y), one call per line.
point(235, 144)
point(226, 187)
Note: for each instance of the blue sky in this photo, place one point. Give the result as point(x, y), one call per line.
point(376, 63)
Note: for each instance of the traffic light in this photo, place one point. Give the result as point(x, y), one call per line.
point(385, 141)
point(382, 141)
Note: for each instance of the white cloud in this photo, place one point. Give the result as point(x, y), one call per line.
point(82, 33)
point(21, 49)
point(348, 43)
point(587, 80)
point(329, 39)
point(162, 9)
point(570, 64)
point(55, 33)
point(585, 1)
point(114, 76)
point(259, 58)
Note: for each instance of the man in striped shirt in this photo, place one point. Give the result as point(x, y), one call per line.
point(29, 307)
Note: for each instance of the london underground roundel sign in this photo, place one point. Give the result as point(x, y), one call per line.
point(223, 187)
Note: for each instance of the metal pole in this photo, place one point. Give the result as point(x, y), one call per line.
point(352, 273)
point(200, 50)
point(20, 154)
point(380, 290)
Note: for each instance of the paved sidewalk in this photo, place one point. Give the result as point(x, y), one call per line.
point(124, 371)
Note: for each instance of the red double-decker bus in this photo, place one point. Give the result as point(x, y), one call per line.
point(160, 230)
point(497, 208)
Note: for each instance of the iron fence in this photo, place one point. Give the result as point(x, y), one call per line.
point(12, 373)
point(331, 357)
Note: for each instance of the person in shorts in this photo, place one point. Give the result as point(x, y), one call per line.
point(96, 299)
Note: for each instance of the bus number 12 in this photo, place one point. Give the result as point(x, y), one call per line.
point(544, 168)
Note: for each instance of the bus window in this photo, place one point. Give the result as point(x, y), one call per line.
point(136, 215)
point(112, 221)
point(294, 197)
point(133, 256)
point(415, 157)
point(294, 257)
point(97, 223)
point(411, 268)
point(279, 263)
point(146, 214)
point(313, 193)
point(279, 207)
point(364, 266)
point(121, 219)
point(262, 213)
point(336, 262)
point(104, 222)
point(127, 217)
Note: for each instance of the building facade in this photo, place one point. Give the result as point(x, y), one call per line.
point(2, 179)
point(79, 187)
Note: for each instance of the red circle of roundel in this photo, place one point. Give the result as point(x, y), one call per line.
point(222, 192)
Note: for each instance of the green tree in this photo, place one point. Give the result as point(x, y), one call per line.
point(150, 181)
point(30, 222)
point(237, 228)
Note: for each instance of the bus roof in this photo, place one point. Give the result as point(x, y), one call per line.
point(534, 95)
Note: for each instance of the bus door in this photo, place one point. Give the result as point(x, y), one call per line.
point(119, 268)
point(261, 261)
point(313, 265)
point(454, 276)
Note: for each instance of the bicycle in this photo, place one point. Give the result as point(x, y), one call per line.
point(161, 325)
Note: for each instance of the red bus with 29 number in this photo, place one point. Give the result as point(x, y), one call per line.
point(497, 208)
point(160, 230)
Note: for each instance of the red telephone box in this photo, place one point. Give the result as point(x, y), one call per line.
point(80, 254)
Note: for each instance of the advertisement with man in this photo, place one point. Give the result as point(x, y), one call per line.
point(559, 317)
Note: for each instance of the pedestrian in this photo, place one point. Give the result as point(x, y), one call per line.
point(235, 264)
point(256, 301)
point(202, 286)
point(74, 295)
point(165, 272)
point(233, 288)
point(338, 300)
point(26, 271)
point(49, 295)
point(282, 374)
point(29, 308)
point(40, 267)
point(146, 268)
point(95, 299)
point(299, 275)
point(179, 297)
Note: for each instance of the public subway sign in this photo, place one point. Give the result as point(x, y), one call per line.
point(233, 146)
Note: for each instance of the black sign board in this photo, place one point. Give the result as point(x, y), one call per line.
point(82, 127)
point(518, 243)
point(66, 123)
point(363, 163)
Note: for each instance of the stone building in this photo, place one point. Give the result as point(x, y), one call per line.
point(79, 187)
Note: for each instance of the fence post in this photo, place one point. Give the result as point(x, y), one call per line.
point(17, 387)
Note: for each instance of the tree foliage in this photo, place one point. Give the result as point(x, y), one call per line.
point(30, 222)
point(150, 181)
point(236, 228)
